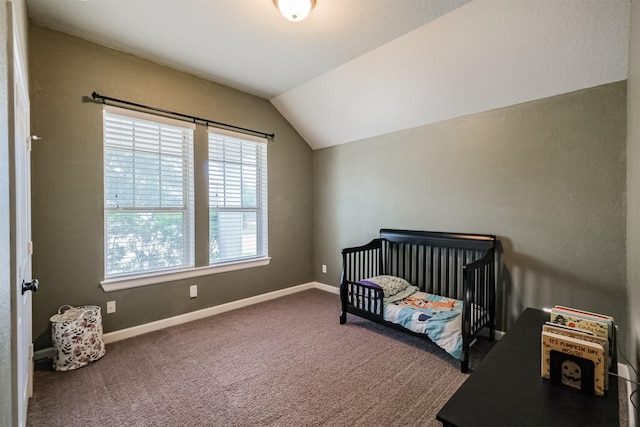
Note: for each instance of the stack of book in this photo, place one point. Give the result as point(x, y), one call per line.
point(578, 348)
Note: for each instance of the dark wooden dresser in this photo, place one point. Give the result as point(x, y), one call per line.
point(506, 389)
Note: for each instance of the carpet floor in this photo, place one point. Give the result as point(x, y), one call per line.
point(284, 362)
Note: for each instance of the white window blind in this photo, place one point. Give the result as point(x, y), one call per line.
point(237, 196)
point(148, 193)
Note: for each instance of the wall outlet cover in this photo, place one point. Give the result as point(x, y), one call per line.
point(111, 307)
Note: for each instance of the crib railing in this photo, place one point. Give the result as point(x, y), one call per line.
point(480, 284)
point(359, 263)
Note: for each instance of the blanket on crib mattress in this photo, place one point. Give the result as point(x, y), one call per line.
point(438, 317)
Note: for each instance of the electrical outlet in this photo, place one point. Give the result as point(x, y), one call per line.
point(111, 307)
point(193, 291)
point(324, 268)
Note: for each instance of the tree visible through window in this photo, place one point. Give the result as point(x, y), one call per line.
point(148, 197)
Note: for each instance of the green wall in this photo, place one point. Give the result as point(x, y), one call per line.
point(67, 182)
point(547, 177)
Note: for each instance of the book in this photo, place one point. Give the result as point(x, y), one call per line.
point(585, 336)
point(578, 320)
point(559, 327)
point(579, 349)
point(587, 313)
point(598, 324)
point(587, 321)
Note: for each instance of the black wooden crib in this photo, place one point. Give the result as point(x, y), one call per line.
point(452, 265)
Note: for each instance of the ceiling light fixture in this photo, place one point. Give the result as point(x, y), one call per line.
point(295, 10)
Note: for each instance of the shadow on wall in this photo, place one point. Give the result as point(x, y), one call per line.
point(503, 289)
point(524, 281)
point(43, 340)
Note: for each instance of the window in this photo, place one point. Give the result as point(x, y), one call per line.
point(148, 196)
point(237, 197)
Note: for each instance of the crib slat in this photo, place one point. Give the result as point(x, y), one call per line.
point(456, 264)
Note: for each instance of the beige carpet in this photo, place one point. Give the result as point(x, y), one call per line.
point(286, 362)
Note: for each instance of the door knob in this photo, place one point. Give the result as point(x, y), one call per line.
point(30, 286)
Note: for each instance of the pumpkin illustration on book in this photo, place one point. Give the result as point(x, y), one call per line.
point(573, 371)
point(571, 374)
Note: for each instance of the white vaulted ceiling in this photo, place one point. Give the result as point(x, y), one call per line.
point(360, 68)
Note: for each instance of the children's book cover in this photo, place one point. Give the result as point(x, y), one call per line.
point(575, 347)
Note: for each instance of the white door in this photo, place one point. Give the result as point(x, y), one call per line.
point(22, 198)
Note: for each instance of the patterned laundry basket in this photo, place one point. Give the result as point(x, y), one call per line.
point(76, 333)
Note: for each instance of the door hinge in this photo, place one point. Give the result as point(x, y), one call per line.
point(30, 247)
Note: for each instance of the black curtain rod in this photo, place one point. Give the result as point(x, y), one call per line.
point(194, 119)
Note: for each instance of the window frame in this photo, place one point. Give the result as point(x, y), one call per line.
point(239, 142)
point(133, 280)
point(188, 195)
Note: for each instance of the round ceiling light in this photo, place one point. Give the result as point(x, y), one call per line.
point(295, 10)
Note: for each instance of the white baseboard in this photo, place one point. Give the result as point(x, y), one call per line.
point(623, 371)
point(326, 288)
point(47, 353)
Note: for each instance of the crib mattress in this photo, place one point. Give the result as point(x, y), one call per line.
point(438, 317)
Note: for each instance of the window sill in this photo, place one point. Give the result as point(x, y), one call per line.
point(121, 283)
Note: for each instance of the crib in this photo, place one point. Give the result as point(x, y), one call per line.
point(449, 281)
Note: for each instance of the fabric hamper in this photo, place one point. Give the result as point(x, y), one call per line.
point(76, 333)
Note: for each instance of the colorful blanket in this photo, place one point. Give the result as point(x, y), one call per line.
point(438, 317)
